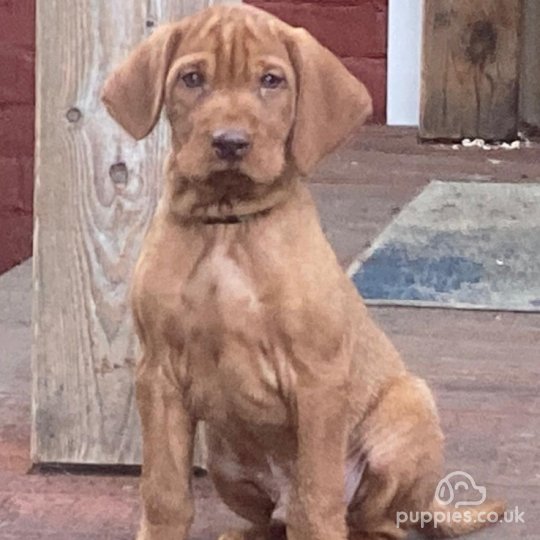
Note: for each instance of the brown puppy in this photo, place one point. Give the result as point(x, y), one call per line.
point(245, 317)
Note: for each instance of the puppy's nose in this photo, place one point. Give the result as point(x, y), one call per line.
point(230, 144)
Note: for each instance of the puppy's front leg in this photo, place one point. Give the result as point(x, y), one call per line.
point(168, 432)
point(317, 509)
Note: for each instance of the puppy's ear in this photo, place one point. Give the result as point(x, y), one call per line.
point(331, 102)
point(133, 93)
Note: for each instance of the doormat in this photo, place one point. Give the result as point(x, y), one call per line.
point(458, 245)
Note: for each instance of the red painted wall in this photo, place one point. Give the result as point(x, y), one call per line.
point(355, 30)
point(17, 46)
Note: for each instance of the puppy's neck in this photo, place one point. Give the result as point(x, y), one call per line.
point(226, 198)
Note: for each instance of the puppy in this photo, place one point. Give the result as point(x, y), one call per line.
point(316, 430)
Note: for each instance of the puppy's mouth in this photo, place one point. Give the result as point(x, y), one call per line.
point(237, 174)
point(224, 166)
point(228, 188)
point(230, 179)
point(232, 197)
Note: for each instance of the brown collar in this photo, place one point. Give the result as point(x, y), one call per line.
point(233, 219)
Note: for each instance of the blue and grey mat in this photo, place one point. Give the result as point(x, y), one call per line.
point(458, 245)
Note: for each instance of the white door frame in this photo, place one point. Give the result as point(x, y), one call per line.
point(404, 62)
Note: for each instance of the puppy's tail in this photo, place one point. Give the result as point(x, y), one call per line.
point(450, 521)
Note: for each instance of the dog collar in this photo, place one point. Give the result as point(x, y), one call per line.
point(233, 219)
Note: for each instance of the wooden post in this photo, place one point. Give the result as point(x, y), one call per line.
point(529, 85)
point(95, 191)
point(470, 69)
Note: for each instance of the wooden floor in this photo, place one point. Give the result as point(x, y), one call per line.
point(483, 366)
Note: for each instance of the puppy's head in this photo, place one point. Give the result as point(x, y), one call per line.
point(243, 92)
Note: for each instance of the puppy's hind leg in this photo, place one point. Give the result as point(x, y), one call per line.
point(371, 521)
point(402, 442)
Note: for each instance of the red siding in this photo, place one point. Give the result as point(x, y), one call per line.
point(354, 30)
point(17, 110)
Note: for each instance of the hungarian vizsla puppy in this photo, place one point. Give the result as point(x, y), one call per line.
point(316, 429)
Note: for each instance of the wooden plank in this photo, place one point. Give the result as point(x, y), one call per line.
point(529, 85)
point(95, 192)
point(470, 69)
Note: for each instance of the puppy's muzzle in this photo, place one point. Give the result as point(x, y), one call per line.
point(230, 144)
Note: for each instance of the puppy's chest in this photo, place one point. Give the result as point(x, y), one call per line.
point(232, 362)
point(220, 298)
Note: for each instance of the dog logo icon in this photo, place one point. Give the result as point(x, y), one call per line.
point(451, 483)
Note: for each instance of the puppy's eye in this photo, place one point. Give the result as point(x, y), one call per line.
point(269, 80)
point(193, 79)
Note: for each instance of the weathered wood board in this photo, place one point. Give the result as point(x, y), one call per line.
point(470, 69)
point(96, 190)
point(529, 84)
